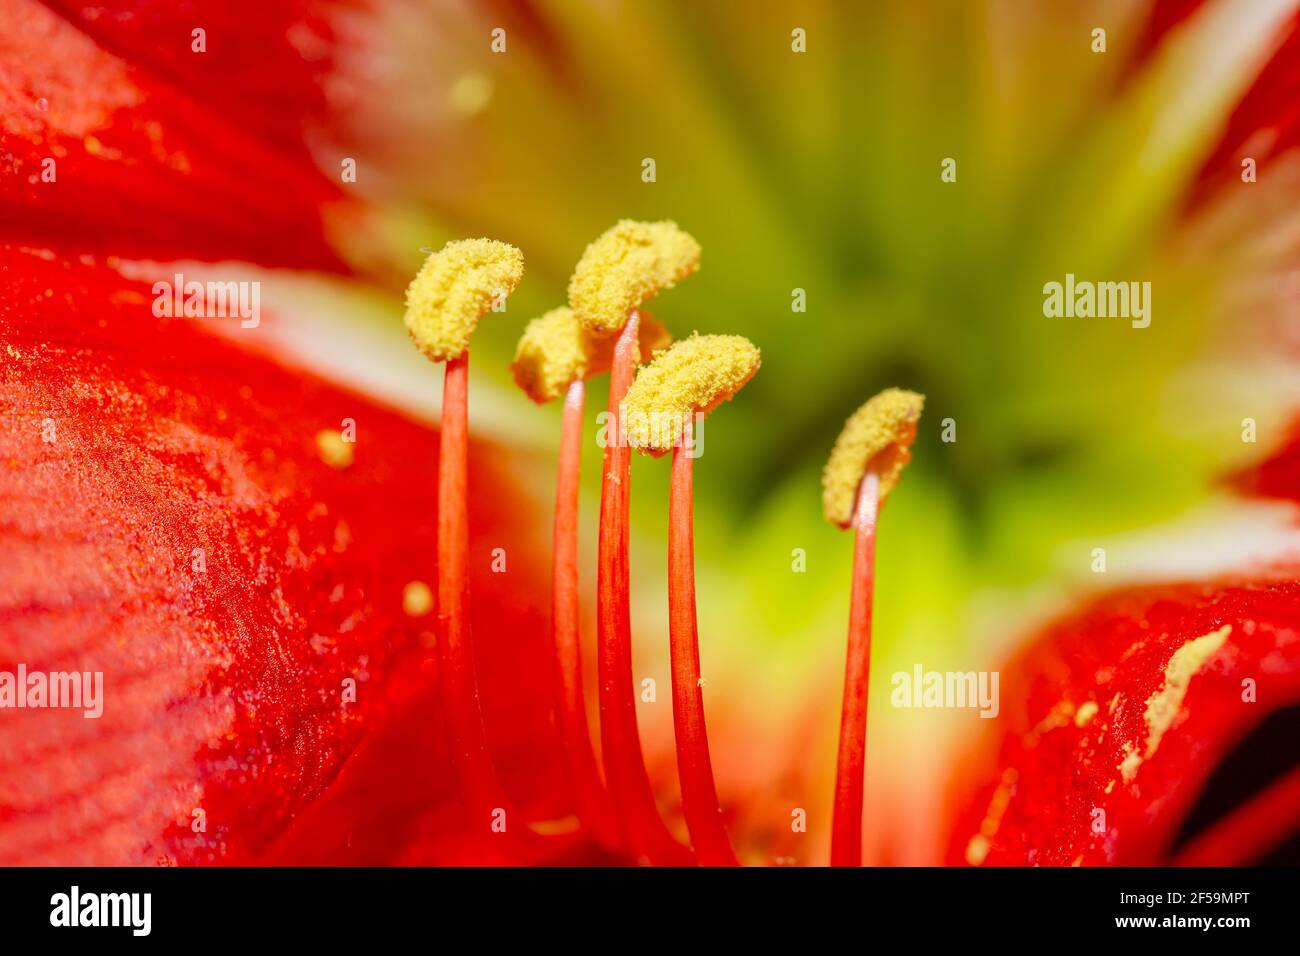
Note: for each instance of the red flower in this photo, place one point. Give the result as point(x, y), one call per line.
point(174, 519)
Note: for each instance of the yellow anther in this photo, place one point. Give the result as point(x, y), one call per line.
point(555, 351)
point(695, 375)
point(628, 264)
point(877, 436)
point(454, 288)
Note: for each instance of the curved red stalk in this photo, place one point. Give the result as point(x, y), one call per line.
point(592, 803)
point(480, 788)
point(846, 824)
point(699, 795)
point(1249, 831)
point(629, 784)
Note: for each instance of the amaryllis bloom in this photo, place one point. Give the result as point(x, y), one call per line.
point(220, 464)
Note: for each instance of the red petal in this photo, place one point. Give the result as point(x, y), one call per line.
point(223, 685)
point(1266, 123)
point(141, 169)
point(268, 70)
point(1278, 476)
point(1056, 766)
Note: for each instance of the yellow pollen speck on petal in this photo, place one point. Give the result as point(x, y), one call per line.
point(96, 148)
point(454, 288)
point(878, 436)
point(630, 263)
point(694, 375)
point(556, 827)
point(1128, 767)
point(556, 350)
point(333, 450)
point(980, 844)
point(1165, 704)
point(1085, 713)
point(471, 93)
point(417, 599)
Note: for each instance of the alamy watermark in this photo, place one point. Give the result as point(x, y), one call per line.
point(946, 690)
point(54, 690)
point(209, 300)
point(1098, 300)
point(133, 911)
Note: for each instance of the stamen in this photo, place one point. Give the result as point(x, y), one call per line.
point(868, 458)
point(690, 378)
point(617, 274)
point(556, 354)
point(626, 266)
point(846, 822)
point(625, 771)
point(594, 809)
point(478, 778)
point(694, 766)
point(443, 305)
